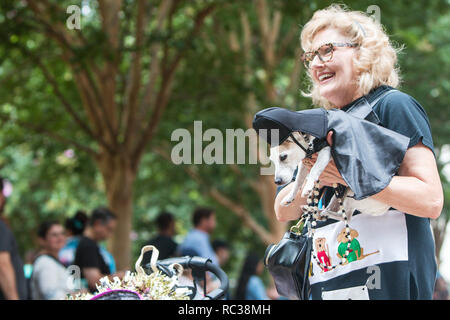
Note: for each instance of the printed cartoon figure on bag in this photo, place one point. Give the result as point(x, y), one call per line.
point(323, 254)
point(355, 251)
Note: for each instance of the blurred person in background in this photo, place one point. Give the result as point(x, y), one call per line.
point(29, 258)
point(196, 242)
point(440, 288)
point(49, 279)
point(74, 230)
point(250, 286)
point(222, 250)
point(12, 279)
point(88, 256)
point(164, 242)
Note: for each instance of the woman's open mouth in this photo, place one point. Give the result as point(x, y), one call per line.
point(325, 77)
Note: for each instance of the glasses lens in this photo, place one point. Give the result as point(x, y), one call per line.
point(326, 52)
point(307, 59)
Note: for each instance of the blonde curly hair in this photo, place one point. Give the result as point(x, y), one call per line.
point(375, 59)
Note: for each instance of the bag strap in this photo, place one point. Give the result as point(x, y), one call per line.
point(153, 259)
point(178, 268)
point(364, 109)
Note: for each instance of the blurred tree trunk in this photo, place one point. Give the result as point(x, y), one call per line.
point(118, 177)
point(266, 36)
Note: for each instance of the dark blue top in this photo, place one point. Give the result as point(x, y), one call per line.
point(255, 289)
point(197, 243)
point(393, 255)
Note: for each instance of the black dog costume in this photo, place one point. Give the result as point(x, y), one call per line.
point(366, 154)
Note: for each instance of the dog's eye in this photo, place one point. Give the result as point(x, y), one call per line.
point(283, 157)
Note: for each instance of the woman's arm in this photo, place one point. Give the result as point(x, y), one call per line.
point(7, 277)
point(417, 189)
point(291, 212)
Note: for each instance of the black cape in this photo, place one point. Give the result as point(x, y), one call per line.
point(367, 155)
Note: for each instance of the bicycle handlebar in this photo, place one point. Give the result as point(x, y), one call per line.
point(193, 262)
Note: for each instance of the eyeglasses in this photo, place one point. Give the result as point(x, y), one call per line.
point(56, 234)
point(325, 52)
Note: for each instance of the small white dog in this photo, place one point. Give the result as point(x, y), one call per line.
point(288, 156)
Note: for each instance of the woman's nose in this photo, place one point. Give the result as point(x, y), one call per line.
point(316, 63)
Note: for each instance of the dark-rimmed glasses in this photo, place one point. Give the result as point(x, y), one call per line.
point(325, 52)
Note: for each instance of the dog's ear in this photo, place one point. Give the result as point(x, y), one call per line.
point(354, 233)
point(274, 151)
point(297, 135)
point(289, 140)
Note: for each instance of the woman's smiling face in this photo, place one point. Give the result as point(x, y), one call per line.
point(336, 79)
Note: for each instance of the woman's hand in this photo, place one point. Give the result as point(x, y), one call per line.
point(331, 174)
point(416, 190)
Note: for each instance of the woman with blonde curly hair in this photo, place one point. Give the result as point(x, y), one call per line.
point(351, 62)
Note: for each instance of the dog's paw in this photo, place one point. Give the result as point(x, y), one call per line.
point(287, 200)
point(309, 186)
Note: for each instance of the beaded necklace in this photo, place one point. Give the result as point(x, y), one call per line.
point(310, 214)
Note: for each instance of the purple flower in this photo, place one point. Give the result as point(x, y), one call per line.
point(69, 153)
point(133, 235)
point(7, 188)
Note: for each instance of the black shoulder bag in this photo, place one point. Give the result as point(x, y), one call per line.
point(289, 261)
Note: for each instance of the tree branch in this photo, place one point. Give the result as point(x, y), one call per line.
point(286, 41)
point(253, 184)
point(42, 130)
point(132, 91)
point(147, 101)
point(295, 75)
point(88, 87)
point(90, 106)
point(109, 12)
point(225, 201)
point(67, 106)
point(247, 45)
point(167, 81)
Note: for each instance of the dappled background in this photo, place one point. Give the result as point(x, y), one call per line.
point(87, 115)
